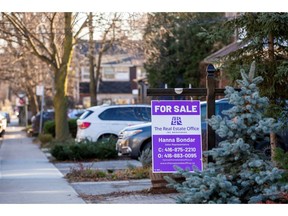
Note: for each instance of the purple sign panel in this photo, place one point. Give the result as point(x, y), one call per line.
point(176, 135)
point(176, 107)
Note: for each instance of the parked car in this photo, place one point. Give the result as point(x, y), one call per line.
point(35, 120)
point(105, 121)
point(3, 124)
point(135, 139)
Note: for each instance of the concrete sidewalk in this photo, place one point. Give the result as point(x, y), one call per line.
point(26, 175)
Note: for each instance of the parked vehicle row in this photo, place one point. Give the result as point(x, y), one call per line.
point(35, 120)
point(130, 125)
point(134, 140)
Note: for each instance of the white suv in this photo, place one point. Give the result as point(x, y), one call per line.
point(104, 121)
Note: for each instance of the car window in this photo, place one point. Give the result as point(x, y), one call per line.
point(86, 114)
point(118, 113)
point(110, 114)
point(142, 113)
point(145, 113)
point(126, 114)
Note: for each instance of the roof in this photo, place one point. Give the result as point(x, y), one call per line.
point(107, 87)
point(216, 56)
point(115, 87)
point(116, 54)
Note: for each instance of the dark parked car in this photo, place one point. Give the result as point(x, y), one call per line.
point(47, 115)
point(134, 139)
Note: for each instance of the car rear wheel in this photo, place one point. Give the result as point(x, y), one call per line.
point(107, 138)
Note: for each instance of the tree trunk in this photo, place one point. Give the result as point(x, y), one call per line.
point(273, 145)
point(98, 74)
point(92, 85)
point(60, 105)
point(33, 103)
point(273, 139)
point(61, 75)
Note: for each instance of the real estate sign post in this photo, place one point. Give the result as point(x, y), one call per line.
point(176, 135)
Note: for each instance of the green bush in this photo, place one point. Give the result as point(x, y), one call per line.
point(146, 158)
point(49, 127)
point(106, 149)
point(72, 123)
point(45, 138)
point(84, 150)
point(60, 152)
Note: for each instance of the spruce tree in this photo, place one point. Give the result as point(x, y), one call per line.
point(238, 173)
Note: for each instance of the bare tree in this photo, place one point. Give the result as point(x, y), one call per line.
point(21, 70)
point(116, 29)
point(50, 37)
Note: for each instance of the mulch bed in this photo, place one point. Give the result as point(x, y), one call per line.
point(145, 192)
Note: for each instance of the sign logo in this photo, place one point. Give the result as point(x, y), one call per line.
point(176, 120)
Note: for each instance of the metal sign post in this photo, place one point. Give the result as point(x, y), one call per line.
point(40, 92)
point(210, 92)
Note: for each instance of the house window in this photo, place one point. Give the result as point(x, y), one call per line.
point(116, 73)
point(108, 74)
point(85, 75)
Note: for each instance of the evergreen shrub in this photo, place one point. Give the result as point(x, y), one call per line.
point(49, 127)
point(85, 150)
point(238, 173)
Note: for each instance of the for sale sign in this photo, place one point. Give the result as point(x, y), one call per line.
point(176, 135)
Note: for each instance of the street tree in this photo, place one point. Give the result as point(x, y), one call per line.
point(264, 40)
point(113, 30)
point(20, 69)
point(50, 37)
point(173, 48)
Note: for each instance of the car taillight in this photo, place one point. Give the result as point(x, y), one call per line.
point(84, 125)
